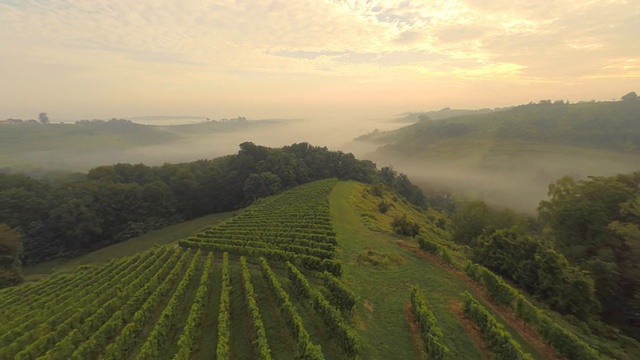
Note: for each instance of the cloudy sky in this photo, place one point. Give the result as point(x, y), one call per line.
point(307, 58)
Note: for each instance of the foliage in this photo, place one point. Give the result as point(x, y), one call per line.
point(187, 340)
point(43, 118)
point(596, 224)
point(403, 226)
point(259, 333)
point(261, 185)
point(565, 342)
point(538, 269)
point(341, 296)
point(401, 184)
point(477, 218)
point(118, 202)
point(429, 330)
point(294, 226)
point(435, 249)
point(606, 125)
point(223, 350)
point(383, 206)
point(10, 252)
point(126, 339)
point(499, 340)
point(305, 349)
point(343, 335)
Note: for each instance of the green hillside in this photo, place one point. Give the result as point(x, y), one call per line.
point(312, 273)
point(509, 157)
point(33, 147)
point(604, 125)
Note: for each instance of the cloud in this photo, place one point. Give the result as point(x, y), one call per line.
point(408, 37)
point(208, 47)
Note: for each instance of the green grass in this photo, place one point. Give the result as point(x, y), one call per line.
point(129, 247)
point(383, 290)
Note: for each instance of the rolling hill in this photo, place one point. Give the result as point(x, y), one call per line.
point(29, 146)
point(508, 157)
point(314, 272)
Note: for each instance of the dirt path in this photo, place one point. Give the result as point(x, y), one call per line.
point(467, 325)
point(416, 339)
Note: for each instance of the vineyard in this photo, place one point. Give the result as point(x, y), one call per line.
point(289, 277)
point(235, 290)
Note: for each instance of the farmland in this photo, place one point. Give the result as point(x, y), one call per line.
point(295, 275)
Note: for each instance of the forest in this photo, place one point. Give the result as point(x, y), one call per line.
point(74, 213)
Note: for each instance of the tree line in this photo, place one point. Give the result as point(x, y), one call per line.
point(580, 255)
point(113, 203)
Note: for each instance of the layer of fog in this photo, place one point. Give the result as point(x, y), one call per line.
point(519, 183)
point(334, 133)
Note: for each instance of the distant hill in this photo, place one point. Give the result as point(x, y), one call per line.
point(512, 155)
point(606, 125)
point(413, 117)
point(88, 143)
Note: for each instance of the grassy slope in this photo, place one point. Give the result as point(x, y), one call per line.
point(384, 290)
point(130, 247)
point(492, 138)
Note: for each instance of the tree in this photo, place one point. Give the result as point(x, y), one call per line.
point(632, 96)
point(10, 251)
point(471, 221)
point(43, 118)
point(535, 267)
point(596, 224)
point(261, 185)
point(403, 226)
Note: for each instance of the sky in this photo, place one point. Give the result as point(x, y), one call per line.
point(309, 58)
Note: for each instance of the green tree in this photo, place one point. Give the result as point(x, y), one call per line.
point(470, 222)
point(10, 252)
point(535, 267)
point(403, 226)
point(76, 222)
point(43, 118)
point(261, 185)
point(595, 223)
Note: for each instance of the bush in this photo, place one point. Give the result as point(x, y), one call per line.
point(405, 227)
point(383, 206)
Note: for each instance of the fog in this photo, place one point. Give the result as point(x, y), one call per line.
point(515, 180)
point(518, 183)
point(336, 133)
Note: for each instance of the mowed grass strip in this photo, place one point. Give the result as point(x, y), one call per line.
point(383, 288)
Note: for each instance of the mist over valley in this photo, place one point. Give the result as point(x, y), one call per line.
point(275, 179)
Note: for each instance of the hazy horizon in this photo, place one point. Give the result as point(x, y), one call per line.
point(309, 59)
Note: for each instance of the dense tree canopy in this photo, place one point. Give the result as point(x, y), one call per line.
point(537, 268)
point(10, 251)
point(117, 202)
point(596, 224)
point(581, 256)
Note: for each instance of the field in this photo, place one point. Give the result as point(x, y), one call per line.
point(296, 275)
